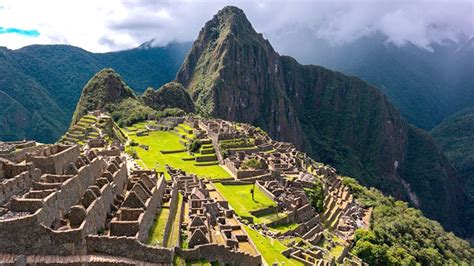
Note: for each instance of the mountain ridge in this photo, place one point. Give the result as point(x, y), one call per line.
point(46, 80)
point(235, 74)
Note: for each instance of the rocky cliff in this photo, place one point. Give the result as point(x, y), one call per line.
point(232, 72)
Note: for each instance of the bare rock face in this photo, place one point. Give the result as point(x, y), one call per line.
point(233, 73)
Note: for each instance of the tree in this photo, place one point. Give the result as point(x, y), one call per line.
point(316, 196)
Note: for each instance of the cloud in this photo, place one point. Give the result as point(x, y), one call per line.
point(28, 33)
point(113, 25)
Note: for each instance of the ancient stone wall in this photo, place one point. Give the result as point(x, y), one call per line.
point(265, 191)
point(18, 183)
point(54, 159)
point(36, 236)
point(151, 210)
point(215, 252)
point(113, 152)
point(129, 247)
point(97, 211)
point(172, 213)
point(70, 192)
point(265, 211)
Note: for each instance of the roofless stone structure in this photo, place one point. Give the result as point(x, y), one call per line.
point(83, 203)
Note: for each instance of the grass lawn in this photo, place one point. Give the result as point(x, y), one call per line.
point(163, 140)
point(240, 199)
point(270, 248)
point(157, 231)
point(284, 227)
point(174, 233)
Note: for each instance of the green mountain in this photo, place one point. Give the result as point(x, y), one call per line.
point(398, 235)
point(233, 73)
point(456, 137)
point(107, 91)
point(425, 84)
point(170, 95)
point(45, 82)
point(104, 90)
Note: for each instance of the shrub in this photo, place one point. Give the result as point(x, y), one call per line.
point(132, 152)
point(316, 196)
point(194, 146)
point(252, 164)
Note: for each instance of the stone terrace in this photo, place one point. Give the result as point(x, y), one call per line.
point(207, 221)
point(83, 204)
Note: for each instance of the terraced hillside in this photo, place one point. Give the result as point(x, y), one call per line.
point(270, 207)
point(155, 148)
point(92, 128)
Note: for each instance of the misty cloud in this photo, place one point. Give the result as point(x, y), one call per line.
point(115, 25)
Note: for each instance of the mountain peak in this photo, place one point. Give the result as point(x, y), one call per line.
point(230, 20)
point(232, 14)
point(105, 87)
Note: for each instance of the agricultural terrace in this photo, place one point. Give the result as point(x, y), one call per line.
point(270, 248)
point(168, 147)
point(240, 198)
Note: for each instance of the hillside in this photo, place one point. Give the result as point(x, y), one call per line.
point(107, 92)
point(154, 197)
point(456, 138)
point(55, 74)
point(170, 95)
point(232, 72)
point(426, 84)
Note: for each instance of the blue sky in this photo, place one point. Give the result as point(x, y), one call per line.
point(27, 33)
point(109, 25)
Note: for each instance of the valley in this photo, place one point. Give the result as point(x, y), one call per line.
point(224, 152)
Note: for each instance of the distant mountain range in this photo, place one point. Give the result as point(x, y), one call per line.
point(232, 72)
point(41, 84)
point(426, 84)
point(456, 137)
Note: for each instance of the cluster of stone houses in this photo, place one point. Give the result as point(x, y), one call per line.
point(82, 203)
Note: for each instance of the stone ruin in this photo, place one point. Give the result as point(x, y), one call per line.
point(63, 205)
point(81, 204)
point(283, 175)
point(207, 221)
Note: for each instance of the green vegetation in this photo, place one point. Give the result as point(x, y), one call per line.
point(157, 231)
point(270, 248)
point(240, 198)
point(339, 119)
point(41, 84)
point(174, 230)
point(316, 196)
point(284, 227)
point(236, 143)
point(158, 141)
point(456, 137)
point(251, 164)
point(401, 235)
point(104, 89)
point(169, 95)
point(434, 181)
point(194, 146)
